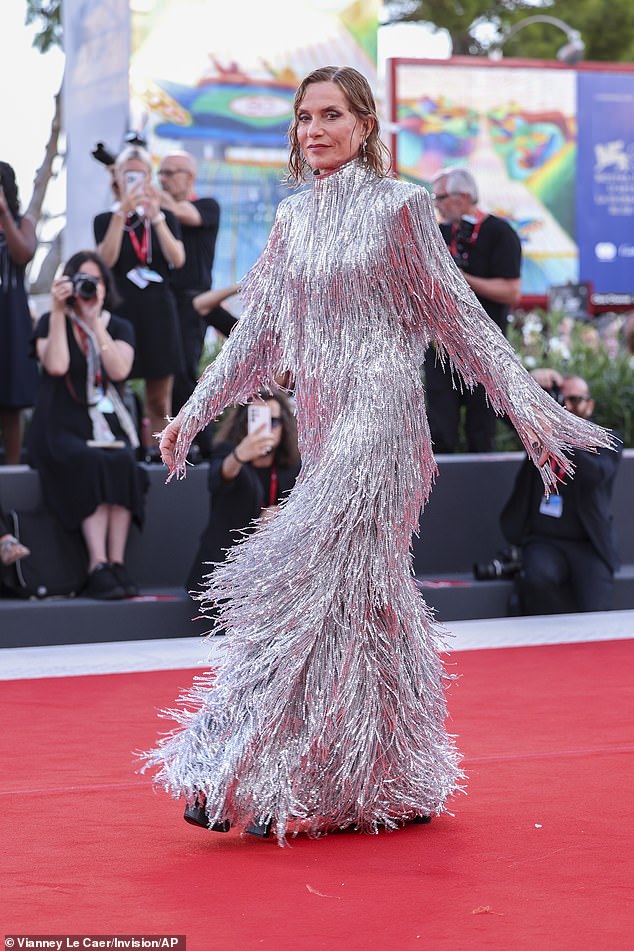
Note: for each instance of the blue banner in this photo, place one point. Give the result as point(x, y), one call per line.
point(605, 185)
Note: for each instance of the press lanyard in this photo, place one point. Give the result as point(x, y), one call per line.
point(140, 247)
point(84, 344)
point(273, 486)
point(480, 216)
point(559, 471)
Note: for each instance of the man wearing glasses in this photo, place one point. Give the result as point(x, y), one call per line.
point(568, 541)
point(199, 219)
point(488, 252)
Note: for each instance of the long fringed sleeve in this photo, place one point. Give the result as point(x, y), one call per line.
point(249, 359)
point(437, 302)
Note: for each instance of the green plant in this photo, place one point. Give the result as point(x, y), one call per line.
point(590, 349)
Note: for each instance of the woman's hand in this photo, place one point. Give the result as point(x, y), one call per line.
point(205, 302)
point(547, 378)
point(167, 442)
point(537, 452)
point(133, 199)
point(151, 201)
point(61, 291)
point(256, 444)
point(89, 309)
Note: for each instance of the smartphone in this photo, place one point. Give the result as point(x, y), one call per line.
point(133, 178)
point(258, 414)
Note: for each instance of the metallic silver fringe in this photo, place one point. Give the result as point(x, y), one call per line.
point(327, 709)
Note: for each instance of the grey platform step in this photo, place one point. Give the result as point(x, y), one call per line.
point(458, 596)
point(164, 612)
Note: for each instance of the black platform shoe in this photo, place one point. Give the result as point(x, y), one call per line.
point(196, 815)
point(262, 829)
point(420, 820)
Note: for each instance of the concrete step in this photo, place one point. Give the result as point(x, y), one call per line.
point(159, 612)
point(457, 596)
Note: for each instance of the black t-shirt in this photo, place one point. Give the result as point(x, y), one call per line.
point(496, 252)
point(200, 247)
point(564, 521)
point(128, 257)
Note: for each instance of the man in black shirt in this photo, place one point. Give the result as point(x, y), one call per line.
point(199, 219)
point(488, 252)
point(568, 541)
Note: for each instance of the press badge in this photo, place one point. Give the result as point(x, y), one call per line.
point(105, 405)
point(142, 276)
point(553, 506)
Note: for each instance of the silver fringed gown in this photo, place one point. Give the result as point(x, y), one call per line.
point(327, 709)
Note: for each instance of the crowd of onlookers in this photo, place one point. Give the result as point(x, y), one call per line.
point(138, 305)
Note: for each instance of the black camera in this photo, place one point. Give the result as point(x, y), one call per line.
point(555, 391)
point(506, 564)
point(462, 241)
point(85, 286)
point(103, 154)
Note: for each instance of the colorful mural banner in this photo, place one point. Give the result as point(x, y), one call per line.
point(221, 86)
point(605, 185)
point(515, 129)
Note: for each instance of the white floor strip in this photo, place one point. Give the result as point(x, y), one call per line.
point(68, 660)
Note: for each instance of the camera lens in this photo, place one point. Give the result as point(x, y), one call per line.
point(506, 565)
point(85, 286)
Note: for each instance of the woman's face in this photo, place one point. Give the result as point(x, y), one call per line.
point(329, 133)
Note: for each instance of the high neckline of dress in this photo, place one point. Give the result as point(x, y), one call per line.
point(350, 171)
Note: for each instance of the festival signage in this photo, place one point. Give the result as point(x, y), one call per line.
point(529, 131)
point(605, 185)
point(221, 86)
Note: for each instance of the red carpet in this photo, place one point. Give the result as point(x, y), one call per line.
point(538, 856)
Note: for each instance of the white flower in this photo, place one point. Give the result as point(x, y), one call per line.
point(557, 347)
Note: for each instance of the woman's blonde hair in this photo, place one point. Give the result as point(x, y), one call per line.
point(133, 152)
point(356, 89)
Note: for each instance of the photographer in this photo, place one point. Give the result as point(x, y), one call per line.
point(82, 439)
point(568, 542)
point(488, 252)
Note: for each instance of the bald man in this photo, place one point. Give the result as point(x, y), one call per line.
point(568, 541)
point(199, 219)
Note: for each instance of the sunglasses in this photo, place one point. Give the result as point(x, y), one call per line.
point(276, 421)
point(574, 400)
point(168, 172)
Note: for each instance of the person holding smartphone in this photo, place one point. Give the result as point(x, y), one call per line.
point(253, 466)
point(142, 244)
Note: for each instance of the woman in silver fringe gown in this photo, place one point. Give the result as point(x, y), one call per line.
point(327, 708)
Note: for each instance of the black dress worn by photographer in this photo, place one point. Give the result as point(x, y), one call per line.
point(485, 247)
point(233, 507)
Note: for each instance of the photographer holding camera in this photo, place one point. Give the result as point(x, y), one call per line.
point(488, 252)
point(567, 541)
point(82, 439)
